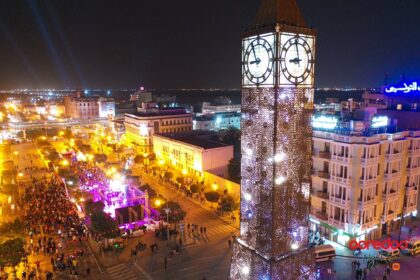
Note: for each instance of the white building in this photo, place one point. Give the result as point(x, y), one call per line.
point(106, 108)
point(141, 127)
point(208, 108)
point(193, 154)
point(363, 180)
point(217, 121)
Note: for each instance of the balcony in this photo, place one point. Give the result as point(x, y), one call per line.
point(339, 201)
point(410, 208)
point(323, 174)
point(369, 161)
point(409, 190)
point(322, 194)
point(392, 194)
point(341, 159)
point(341, 180)
point(393, 156)
point(413, 152)
point(413, 170)
point(369, 202)
point(321, 154)
point(336, 222)
point(389, 216)
point(392, 175)
point(319, 214)
point(367, 181)
point(368, 223)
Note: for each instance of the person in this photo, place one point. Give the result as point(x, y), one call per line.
point(353, 265)
point(230, 243)
point(88, 271)
point(365, 273)
point(388, 270)
point(166, 263)
point(385, 276)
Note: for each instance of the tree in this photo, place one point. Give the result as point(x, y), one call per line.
point(151, 192)
point(168, 175)
point(180, 180)
point(175, 215)
point(92, 206)
point(11, 252)
point(228, 203)
point(234, 170)
point(212, 196)
point(100, 158)
point(195, 188)
point(104, 224)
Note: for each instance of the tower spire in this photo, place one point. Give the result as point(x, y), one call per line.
point(280, 11)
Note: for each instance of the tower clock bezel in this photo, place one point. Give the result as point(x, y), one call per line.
point(256, 46)
point(304, 49)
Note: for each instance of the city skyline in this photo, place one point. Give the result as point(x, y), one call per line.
point(190, 45)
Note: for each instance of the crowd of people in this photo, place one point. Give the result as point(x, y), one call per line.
point(54, 229)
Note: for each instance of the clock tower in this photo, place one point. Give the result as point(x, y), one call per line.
point(278, 58)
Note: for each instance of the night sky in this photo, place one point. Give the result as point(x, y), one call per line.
point(193, 43)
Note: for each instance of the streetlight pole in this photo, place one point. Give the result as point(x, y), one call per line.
point(167, 211)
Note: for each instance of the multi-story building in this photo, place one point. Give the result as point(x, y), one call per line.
point(208, 108)
point(399, 102)
point(192, 153)
point(141, 127)
point(365, 181)
point(81, 107)
point(217, 121)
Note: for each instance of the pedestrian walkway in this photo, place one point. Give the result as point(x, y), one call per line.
point(121, 272)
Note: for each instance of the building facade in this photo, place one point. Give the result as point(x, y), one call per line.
point(81, 108)
point(141, 127)
point(208, 108)
point(192, 154)
point(364, 182)
point(277, 102)
point(218, 121)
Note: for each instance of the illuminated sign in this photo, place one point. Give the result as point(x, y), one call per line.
point(379, 121)
point(325, 122)
point(405, 88)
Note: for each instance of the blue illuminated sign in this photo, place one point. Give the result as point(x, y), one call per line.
point(404, 88)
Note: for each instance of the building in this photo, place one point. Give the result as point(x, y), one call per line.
point(364, 179)
point(106, 107)
point(208, 108)
point(81, 107)
point(141, 126)
point(400, 102)
point(193, 154)
point(217, 121)
point(277, 103)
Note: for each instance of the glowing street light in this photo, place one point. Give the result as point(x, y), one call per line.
point(158, 202)
point(215, 187)
point(184, 172)
point(64, 162)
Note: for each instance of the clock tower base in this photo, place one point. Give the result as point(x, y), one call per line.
point(297, 265)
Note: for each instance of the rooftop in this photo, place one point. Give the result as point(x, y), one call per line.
point(195, 138)
point(161, 112)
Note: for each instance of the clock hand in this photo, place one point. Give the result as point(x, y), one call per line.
point(297, 53)
point(255, 56)
point(257, 61)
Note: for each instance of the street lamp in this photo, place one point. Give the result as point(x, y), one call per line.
point(167, 211)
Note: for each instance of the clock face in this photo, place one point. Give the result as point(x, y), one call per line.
point(258, 61)
point(296, 60)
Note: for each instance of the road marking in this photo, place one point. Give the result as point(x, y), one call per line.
point(147, 275)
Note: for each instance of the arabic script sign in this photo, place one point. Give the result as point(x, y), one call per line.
point(405, 88)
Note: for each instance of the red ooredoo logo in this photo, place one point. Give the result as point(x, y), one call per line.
point(377, 244)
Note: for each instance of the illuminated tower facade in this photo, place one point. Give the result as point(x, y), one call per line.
point(278, 58)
